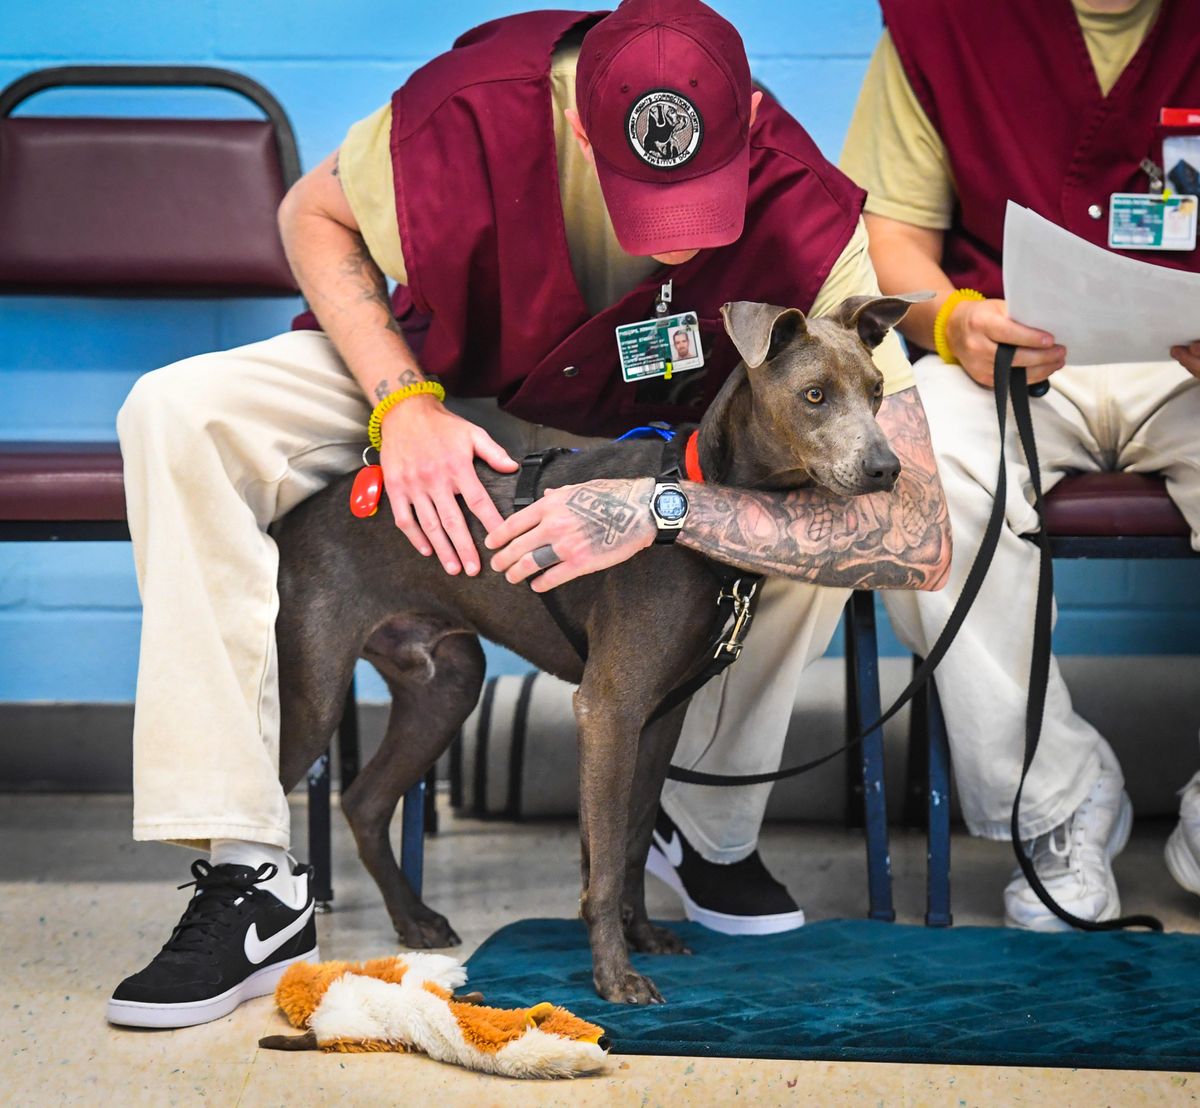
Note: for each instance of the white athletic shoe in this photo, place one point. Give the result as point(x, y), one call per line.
point(1182, 851)
point(1074, 860)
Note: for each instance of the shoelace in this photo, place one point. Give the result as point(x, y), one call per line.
point(1072, 833)
point(1052, 840)
point(218, 888)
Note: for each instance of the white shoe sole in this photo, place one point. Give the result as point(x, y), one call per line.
point(134, 1013)
point(658, 865)
point(1181, 861)
point(1116, 843)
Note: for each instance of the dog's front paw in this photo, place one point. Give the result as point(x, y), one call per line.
point(646, 938)
point(629, 987)
point(426, 931)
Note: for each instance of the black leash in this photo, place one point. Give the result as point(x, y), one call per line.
point(1039, 666)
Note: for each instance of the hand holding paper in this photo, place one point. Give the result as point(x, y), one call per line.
point(1100, 306)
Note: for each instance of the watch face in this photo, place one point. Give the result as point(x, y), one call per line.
point(671, 505)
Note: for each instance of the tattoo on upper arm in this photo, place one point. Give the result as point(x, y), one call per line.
point(336, 164)
point(894, 540)
point(365, 277)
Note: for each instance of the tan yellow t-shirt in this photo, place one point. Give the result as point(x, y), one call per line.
point(895, 153)
point(605, 273)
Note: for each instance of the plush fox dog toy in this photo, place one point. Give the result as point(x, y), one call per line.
point(406, 1003)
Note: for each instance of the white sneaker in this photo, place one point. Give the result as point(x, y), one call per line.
point(1074, 860)
point(1182, 851)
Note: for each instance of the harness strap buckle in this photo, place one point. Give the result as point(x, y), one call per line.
point(740, 594)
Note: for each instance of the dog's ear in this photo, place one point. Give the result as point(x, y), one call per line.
point(873, 316)
point(760, 331)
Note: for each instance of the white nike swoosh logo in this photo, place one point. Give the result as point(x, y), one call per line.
point(259, 950)
point(673, 850)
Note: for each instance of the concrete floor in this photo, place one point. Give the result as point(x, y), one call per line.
point(81, 906)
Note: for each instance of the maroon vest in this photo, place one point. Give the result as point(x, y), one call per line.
point(490, 279)
point(1009, 86)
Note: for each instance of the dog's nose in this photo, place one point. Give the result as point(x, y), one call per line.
point(881, 468)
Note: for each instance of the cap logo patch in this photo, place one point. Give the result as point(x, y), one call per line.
point(664, 129)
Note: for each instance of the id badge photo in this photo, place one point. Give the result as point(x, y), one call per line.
point(659, 347)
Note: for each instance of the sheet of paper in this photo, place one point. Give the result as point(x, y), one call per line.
point(1101, 306)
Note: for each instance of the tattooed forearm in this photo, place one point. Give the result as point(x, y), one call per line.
point(895, 540)
point(389, 385)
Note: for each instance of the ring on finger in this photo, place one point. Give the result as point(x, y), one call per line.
point(544, 557)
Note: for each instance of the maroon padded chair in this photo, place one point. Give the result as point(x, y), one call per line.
point(1090, 515)
point(124, 207)
point(145, 208)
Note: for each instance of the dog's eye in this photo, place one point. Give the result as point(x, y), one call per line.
point(814, 395)
point(877, 391)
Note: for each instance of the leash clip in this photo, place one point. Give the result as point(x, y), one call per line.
point(731, 645)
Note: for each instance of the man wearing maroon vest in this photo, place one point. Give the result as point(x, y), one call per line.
point(1054, 104)
point(529, 190)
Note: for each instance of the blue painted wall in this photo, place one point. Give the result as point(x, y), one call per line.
point(69, 615)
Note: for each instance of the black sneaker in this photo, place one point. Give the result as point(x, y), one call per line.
point(741, 898)
point(233, 943)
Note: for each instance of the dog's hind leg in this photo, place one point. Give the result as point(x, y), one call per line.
point(434, 674)
point(657, 744)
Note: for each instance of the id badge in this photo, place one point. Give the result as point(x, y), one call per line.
point(1152, 221)
point(659, 347)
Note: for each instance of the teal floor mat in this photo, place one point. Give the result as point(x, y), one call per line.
point(855, 990)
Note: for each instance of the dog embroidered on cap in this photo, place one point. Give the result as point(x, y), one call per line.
point(664, 94)
point(665, 129)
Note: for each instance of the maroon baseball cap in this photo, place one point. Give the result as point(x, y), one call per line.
point(663, 91)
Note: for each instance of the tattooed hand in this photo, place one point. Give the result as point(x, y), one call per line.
point(590, 527)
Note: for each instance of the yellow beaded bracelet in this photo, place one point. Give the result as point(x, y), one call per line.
point(375, 423)
point(940, 342)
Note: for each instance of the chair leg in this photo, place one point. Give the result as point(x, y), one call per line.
point(854, 722)
point(412, 836)
point(431, 813)
point(863, 651)
point(319, 852)
point(937, 912)
point(916, 790)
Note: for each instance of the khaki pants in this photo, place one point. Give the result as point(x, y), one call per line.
point(1137, 418)
point(218, 446)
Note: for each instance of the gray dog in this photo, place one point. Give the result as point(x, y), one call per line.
point(799, 410)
